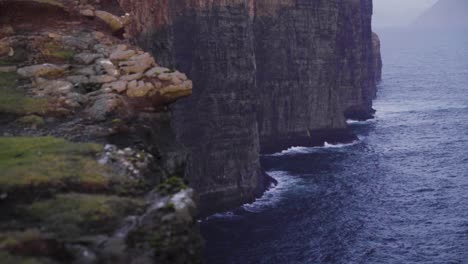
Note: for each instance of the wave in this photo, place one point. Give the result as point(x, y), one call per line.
point(307, 150)
point(268, 200)
point(358, 122)
point(223, 215)
point(274, 195)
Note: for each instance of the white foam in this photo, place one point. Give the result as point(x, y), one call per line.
point(274, 195)
point(327, 145)
point(358, 122)
point(307, 150)
point(269, 199)
point(224, 215)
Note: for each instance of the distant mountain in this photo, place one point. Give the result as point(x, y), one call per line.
point(445, 14)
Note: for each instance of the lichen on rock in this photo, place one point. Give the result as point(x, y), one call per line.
point(81, 149)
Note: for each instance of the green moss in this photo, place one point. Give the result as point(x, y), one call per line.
point(72, 215)
point(8, 79)
point(57, 52)
point(32, 120)
point(38, 163)
point(6, 258)
point(11, 239)
point(117, 121)
point(14, 101)
point(171, 185)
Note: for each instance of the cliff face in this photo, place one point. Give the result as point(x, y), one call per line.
point(213, 43)
point(314, 62)
point(268, 74)
point(378, 64)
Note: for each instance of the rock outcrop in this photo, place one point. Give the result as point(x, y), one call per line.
point(314, 62)
point(90, 171)
point(267, 75)
point(378, 64)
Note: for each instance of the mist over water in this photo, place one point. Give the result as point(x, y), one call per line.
point(398, 13)
point(399, 195)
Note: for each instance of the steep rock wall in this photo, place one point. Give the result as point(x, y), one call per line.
point(378, 64)
point(213, 42)
point(310, 66)
point(268, 74)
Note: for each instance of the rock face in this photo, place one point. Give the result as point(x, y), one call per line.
point(213, 44)
point(378, 64)
point(314, 62)
point(267, 75)
point(106, 184)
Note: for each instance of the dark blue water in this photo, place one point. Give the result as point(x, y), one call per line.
point(399, 195)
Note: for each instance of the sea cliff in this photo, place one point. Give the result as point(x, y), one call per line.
point(120, 118)
point(267, 74)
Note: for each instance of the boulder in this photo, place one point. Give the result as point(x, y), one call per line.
point(104, 105)
point(77, 79)
point(141, 90)
point(82, 42)
point(89, 71)
point(43, 70)
point(119, 86)
point(108, 67)
point(114, 22)
point(174, 92)
point(121, 53)
point(102, 79)
point(54, 87)
point(4, 48)
point(87, 58)
point(131, 77)
point(87, 12)
point(154, 72)
point(138, 63)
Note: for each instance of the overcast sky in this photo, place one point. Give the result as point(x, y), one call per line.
point(398, 13)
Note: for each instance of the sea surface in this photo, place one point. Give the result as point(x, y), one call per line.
point(398, 195)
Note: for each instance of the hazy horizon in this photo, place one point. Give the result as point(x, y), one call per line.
point(398, 13)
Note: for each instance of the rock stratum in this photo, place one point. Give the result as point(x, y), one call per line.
point(267, 75)
point(118, 118)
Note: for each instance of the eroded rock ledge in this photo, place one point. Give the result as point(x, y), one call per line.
point(90, 171)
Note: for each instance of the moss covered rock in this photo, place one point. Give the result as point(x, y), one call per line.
point(15, 101)
point(56, 52)
point(72, 215)
point(44, 164)
point(33, 121)
point(171, 185)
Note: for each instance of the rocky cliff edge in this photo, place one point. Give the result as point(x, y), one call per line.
point(89, 168)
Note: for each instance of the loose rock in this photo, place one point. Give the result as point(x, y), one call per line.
point(102, 79)
point(87, 58)
point(43, 70)
point(154, 72)
point(139, 63)
point(114, 22)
